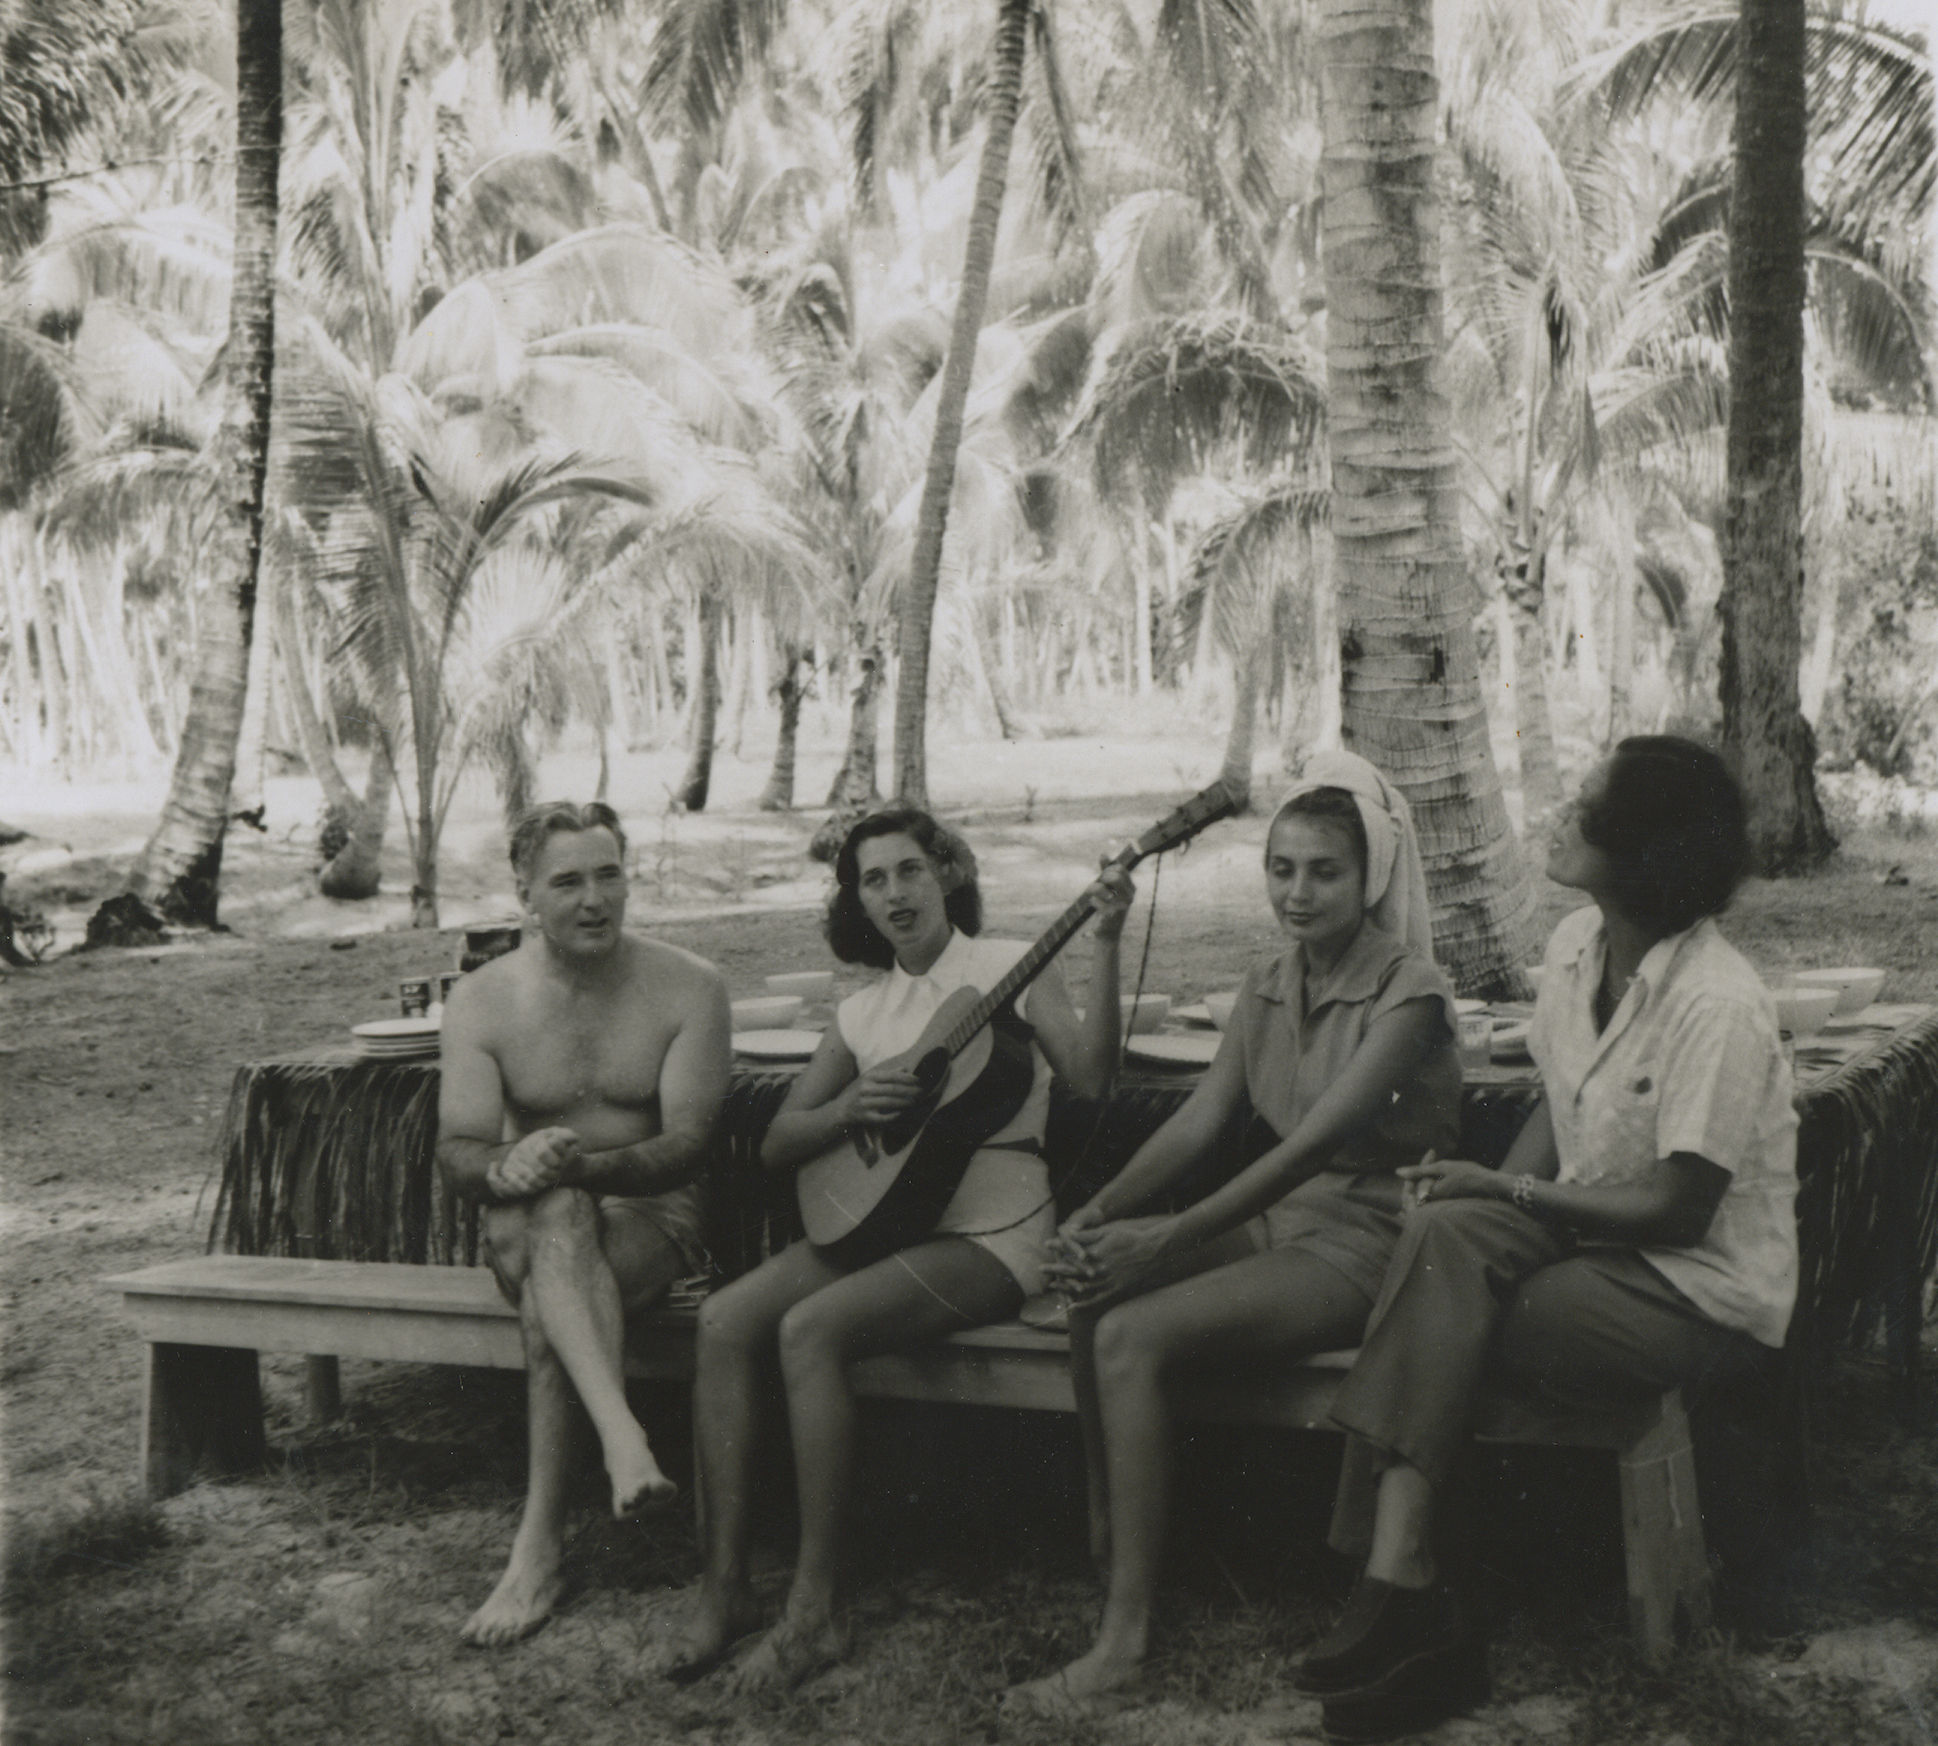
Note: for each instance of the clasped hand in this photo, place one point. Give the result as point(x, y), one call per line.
point(538, 1162)
point(1091, 1259)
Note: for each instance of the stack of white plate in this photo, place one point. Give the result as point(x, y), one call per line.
point(398, 1039)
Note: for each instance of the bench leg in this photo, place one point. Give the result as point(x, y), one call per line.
point(1668, 1566)
point(322, 1389)
point(204, 1407)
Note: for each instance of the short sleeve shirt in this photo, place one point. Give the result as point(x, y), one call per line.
point(886, 1017)
point(1295, 1048)
point(1690, 1062)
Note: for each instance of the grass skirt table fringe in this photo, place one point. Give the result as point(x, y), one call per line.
point(332, 1156)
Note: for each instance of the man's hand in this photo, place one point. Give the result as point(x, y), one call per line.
point(536, 1163)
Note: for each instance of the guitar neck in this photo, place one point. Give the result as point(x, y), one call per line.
point(1212, 803)
point(1019, 976)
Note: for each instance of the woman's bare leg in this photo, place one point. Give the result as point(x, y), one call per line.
point(1282, 1305)
point(917, 1295)
point(735, 1347)
point(1402, 1551)
point(1219, 1252)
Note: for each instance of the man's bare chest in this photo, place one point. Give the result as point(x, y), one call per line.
point(570, 1054)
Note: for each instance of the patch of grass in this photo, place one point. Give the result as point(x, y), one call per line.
point(100, 1534)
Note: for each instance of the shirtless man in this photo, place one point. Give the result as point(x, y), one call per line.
point(582, 1075)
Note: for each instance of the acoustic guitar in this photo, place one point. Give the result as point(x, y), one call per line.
point(883, 1188)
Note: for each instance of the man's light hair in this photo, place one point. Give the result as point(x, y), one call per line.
point(537, 825)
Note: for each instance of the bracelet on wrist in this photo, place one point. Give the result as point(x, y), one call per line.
point(1521, 1192)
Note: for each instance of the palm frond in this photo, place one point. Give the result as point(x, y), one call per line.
point(699, 54)
point(1164, 396)
point(1256, 557)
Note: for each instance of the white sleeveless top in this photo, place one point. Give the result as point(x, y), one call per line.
point(886, 1017)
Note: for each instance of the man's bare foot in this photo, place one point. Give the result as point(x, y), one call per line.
point(789, 1655)
point(637, 1482)
point(716, 1619)
point(522, 1601)
point(1075, 1690)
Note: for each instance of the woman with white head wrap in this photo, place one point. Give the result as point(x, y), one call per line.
point(1341, 1044)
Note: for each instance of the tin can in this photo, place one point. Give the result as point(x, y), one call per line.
point(414, 996)
point(446, 981)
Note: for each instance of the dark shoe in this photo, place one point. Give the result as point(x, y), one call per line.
point(1382, 1630)
point(1420, 1694)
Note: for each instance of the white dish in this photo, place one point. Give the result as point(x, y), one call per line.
point(1190, 1049)
point(776, 1045)
point(808, 984)
point(769, 1012)
point(391, 1030)
point(1855, 989)
point(1221, 1007)
point(1197, 1015)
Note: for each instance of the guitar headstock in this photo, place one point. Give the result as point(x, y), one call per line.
point(1205, 807)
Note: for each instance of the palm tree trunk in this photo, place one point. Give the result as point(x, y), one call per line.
point(1526, 591)
point(704, 719)
point(1764, 732)
point(1621, 628)
point(854, 786)
point(181, 867)
point(1001, 99)
point(1409, 664)
point(1248, 672)
point(778, 795)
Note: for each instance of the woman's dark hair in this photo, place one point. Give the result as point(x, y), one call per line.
point(853, 938)
point(1673, 824)
point(1332, 806)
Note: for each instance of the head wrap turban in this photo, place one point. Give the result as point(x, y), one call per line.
point(1396, 881)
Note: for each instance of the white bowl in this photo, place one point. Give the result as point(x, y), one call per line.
point(1802, 1011)
point(1145, 1012)
point(1855, 989)
point(771, 1012)
point(808, 984)
point(1220, 1007)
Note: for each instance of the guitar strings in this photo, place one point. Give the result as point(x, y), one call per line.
point(1058, 1184)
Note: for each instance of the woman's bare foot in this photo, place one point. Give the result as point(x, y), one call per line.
point(522, 1601)
point(1077, 1688)
point(788, 1655)
point(637, 1482)
point(716, 1619)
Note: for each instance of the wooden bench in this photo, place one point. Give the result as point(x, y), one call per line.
point(205, 1320)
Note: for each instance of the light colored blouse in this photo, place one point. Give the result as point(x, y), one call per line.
point(1690, 1062)
point(1295, 1050)
point(886, 1017)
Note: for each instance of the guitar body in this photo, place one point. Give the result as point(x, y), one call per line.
point(887, 1188)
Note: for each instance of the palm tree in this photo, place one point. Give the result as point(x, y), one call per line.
point(180, 868)
point(1830, 192)
point(1002, 98)
point(1409, 663)
point(1763, 727)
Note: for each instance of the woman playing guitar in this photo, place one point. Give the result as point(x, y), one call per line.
point(906, 902)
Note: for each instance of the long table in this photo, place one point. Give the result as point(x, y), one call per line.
point(328, 1154)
